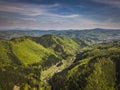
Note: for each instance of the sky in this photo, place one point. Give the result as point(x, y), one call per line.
point(59, 14)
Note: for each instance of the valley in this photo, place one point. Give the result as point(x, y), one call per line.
point(52, 62)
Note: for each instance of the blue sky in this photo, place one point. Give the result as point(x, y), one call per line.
point(59, 14)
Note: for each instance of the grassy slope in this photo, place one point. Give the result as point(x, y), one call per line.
point(29, 52)
point(25, 51)
point(46, 49)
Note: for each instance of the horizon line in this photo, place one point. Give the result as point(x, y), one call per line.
point(59, 29)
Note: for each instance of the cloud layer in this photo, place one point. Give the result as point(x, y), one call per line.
point(56, 14)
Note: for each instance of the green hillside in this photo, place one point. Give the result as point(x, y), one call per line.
point(62, 45)
point(29, 52)
point(95, 69)
point(25, 51)
point(59, 63)
point(25, 57)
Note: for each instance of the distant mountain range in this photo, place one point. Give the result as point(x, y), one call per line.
point(93, 34)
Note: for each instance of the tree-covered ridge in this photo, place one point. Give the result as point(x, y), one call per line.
point(25, 58)
point(24, 51)
point(6, 54)
point(95, 69)
point(62, 45)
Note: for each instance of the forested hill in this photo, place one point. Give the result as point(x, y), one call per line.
point(53, 62)
point(95, 69)
point(25, 57)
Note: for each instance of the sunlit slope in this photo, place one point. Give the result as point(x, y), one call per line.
point(29, 52)
point(45, 49)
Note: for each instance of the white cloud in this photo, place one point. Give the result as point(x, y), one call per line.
point(57, 24)
point(48, 20)
point(32, 10)
point(26, 9)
